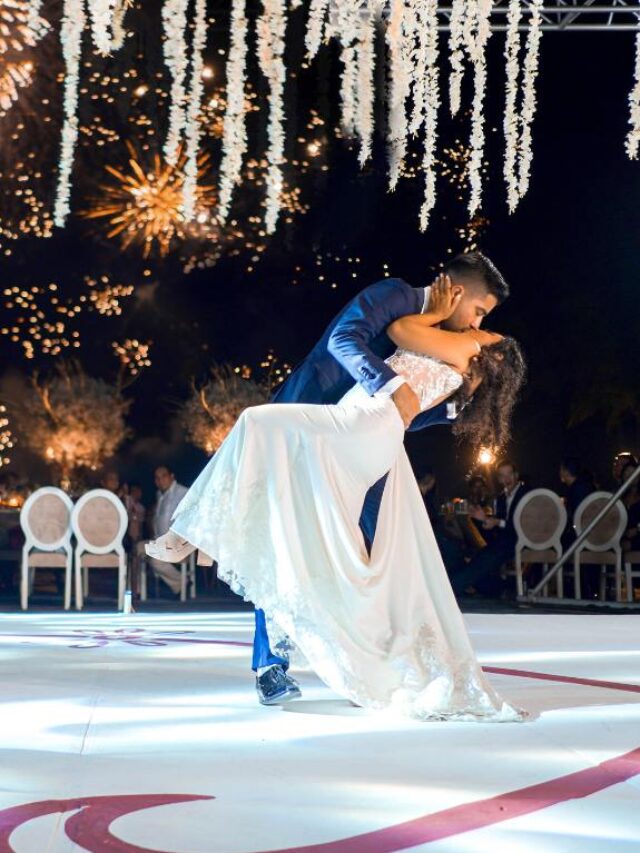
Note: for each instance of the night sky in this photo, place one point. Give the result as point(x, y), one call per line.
point(570, 254)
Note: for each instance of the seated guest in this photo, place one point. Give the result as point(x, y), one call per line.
point(170, 493)
point(578, 483)
point(620, 461)
point(482, 573)
point(110, 481)
point(479, 495)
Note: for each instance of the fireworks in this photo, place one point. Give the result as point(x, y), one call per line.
point(18, 28)
point(143, 205)
point(41, 320)
point(105, 297)
point(133, 356)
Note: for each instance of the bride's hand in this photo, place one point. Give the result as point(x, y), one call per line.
point(407, 403)
point(444, 297)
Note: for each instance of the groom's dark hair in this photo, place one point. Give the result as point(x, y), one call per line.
point(474, 266)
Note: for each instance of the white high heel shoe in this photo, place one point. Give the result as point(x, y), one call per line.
point(169, 548)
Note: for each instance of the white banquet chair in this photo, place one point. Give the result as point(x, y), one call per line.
point(602, 546)
point(99, 521)
point(45, 519)
point(539, 519)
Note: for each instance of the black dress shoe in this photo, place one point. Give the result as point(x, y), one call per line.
point(274, 686)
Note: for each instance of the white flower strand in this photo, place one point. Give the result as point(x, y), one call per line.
point(193, 125)
point(35, 22)
point(457, 23)
point(73, 23)
point(511, 118)
point(398, 92)
point(102, 12)
point(174, 20)
point(418, 63)
point(118, 31)
point(271, 32)
point(342, 25)
point(348, 88)
point(531, 61)
point(477, 46)
point(632, 141)
point(315, 26)
point(365, 50)
point(234, 133)
point(428, 36)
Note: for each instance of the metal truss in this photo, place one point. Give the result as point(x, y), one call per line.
point(566, 16)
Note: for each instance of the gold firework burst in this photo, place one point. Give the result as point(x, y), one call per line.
point(18, 33)
point(143, 205)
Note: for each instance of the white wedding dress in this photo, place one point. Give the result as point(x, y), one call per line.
point(278, 508)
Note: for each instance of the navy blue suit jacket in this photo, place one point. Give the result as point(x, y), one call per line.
point(508, 533)
point(353, 348)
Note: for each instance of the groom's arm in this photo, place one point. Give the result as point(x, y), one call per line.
point(367, 316)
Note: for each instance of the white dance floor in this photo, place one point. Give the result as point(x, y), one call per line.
point(143, 733)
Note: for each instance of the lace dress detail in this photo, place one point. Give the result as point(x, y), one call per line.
point(430, 378)
point(278, 508)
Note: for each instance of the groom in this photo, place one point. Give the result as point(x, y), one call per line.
point(353, 349)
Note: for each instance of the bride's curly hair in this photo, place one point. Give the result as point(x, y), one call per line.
point(486, 420)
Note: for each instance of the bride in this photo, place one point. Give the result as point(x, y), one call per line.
point(278, 508)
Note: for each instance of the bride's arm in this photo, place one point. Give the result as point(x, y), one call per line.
point(417, 332)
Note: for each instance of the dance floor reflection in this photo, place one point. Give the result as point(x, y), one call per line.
point(143, 733)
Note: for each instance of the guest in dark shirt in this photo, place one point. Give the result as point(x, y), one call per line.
point(482, 574)
point(620, 462)
point(578, 484)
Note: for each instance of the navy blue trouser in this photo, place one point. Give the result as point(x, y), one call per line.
point(262, 654)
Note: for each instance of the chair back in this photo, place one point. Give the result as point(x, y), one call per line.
point(539, 520)
point(99, 522)
point(605, 536)
point(45, 519)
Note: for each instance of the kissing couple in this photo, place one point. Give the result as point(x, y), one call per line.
point(312, 511)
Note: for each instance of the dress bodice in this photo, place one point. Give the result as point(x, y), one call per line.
point(430, 378)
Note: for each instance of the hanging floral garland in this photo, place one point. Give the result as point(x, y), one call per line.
point(457, 42)
point(477, 38)
point(174, 21)
point(365, 63)
point(429, 99)
point(315, 26)
point(511, 118)
point(234, 135)
point(399, 48)
point(193, 125)
point(271, 28)
point(531, 61)
point(101, 13)
point(35, 22)
point(517, 126)
point(73, 23)
point(633, 136)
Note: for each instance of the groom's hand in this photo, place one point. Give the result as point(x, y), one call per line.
point(407, 403)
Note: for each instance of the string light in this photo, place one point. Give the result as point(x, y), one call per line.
point(6, 437)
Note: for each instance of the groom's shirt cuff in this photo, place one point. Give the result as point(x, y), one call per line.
point(392, 385)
